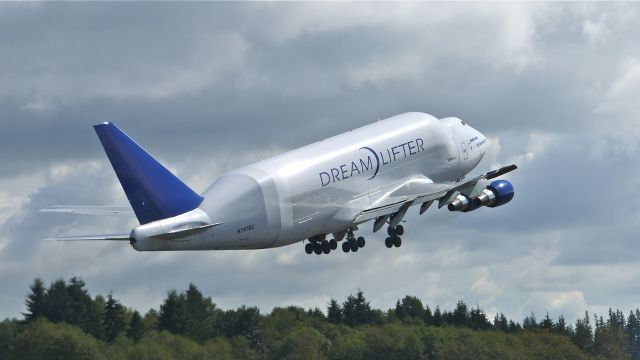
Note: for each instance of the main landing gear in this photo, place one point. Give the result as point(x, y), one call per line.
point(320, 247)
point(394, 236)
point(351, 243)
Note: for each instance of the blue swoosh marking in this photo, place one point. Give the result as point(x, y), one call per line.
point(377, 161)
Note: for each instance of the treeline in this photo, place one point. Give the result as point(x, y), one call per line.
point(64, 321)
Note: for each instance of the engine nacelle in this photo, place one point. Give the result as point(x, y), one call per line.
point(498, 193)
point(462, 203)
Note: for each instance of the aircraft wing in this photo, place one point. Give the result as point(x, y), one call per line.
point(91, 210)
point(422, 190)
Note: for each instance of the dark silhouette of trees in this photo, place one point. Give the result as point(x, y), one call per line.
point(35, 301)
point(334, 312)
point(135, 331)
point(115, 319)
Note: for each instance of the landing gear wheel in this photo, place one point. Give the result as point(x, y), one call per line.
point(333, 244)
point(326, 248)
point(391, 231)
point(346, 247)
point(397, 241)
point(360, 242)
point(388, 242)
point(353, 245)
point(399, 230)
point(308, 248)
point(317, 248)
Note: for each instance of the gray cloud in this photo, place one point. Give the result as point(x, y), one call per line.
point(209, 87)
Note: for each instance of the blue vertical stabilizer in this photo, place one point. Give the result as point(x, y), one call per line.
point(153, 191)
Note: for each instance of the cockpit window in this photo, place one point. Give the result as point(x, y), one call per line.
point(463, 123)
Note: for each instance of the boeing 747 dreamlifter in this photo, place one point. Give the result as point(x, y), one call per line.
point(323, 192)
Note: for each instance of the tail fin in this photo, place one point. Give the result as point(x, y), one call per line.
point(153, 191)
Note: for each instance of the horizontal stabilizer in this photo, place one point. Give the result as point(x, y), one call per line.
point(109, 237)
point(91, 210)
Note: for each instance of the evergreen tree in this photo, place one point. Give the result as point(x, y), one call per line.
point(356, 310)
point(35, 301)
point(437, 317)
point(583, 337)
point(428, 316)
point(135, 331)
point(334, 312)
point(173, 313)
point(92, 320)
point(478, 319)
point(530, 322)
point(633, 335)
point(501, 323)
point(115, 319)
point(546, 323)
point(460, 314)
point(58, 304)
point(409, 307)
point(199, 315)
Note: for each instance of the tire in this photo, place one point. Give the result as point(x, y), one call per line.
point(360, 242)
point(391, 231)
point(353, 245)
point(308, 248)
point(345, 247)
point(317, 248)
point(326, 248)
point(388, 242)
point(397, 241)
point(399, 230)
point(333, 244)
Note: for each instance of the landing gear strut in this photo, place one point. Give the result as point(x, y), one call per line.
point(351, 243)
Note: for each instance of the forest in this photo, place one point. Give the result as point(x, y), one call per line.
point(63, 321)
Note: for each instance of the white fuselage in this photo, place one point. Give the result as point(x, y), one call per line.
point(321, 188)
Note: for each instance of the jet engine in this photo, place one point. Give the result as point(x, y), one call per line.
point(462, 203)
point(498, 193)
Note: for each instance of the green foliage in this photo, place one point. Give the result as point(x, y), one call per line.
point(41, 339)
point(63, 322)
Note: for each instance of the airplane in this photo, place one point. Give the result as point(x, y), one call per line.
point(319, 194)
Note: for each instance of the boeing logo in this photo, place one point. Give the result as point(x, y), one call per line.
point(371, 162)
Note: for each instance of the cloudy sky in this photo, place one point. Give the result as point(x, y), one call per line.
point(210, 87)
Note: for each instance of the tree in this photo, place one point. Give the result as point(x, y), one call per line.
point(58, 305)
point(546, 323)
point(409, 307)
point(173, 313)
point(500, 322)
point(135, 331)
point(199, 313)
point(115, 320)
point(35, 301)
point(460, 314)
point(583, 337)
point(530, 322)
point(437, 317)
point(334, 312)
point(356, 310)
